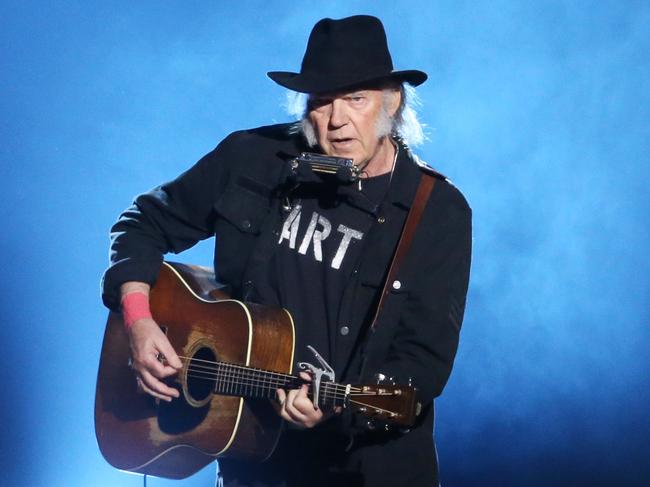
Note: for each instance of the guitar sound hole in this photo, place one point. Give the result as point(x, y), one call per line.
point(200, 377)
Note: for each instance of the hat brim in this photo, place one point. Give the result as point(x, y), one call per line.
point(332, 82)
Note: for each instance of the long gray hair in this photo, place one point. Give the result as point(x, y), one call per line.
point(404, 124)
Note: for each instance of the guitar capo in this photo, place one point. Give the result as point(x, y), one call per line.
point(317, 374)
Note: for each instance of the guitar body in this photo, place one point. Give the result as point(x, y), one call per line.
point(174, 440)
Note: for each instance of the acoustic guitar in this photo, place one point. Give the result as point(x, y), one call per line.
point(235, 355)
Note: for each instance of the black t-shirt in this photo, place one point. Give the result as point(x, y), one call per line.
point(319, 246)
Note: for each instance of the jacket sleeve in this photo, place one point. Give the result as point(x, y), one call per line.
point(426, 337)
point(169, 218)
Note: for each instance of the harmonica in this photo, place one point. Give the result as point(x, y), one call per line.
point(319, 163)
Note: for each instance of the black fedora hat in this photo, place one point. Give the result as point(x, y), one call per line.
point(343, 54)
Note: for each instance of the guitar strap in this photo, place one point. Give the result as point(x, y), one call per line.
point(427, 182)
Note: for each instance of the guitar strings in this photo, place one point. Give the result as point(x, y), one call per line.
point(235, 366)
point(248, 389)
point(329, 390)
point(327, 395)
point(392, 413)
point(245, 373)
point(249, 378)
point(232, 381)
point(337, 391)
point(244, 369)
point(227, 371)
point(238, 376)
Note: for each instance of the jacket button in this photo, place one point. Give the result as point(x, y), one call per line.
point(344, 330)
point(381, 219)
point(246, 224)
point(397, 285)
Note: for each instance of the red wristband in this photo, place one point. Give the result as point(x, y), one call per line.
point(135, 306)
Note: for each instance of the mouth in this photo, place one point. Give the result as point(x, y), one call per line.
point(341, 142)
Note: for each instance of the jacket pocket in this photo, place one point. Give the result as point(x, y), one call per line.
point(396, 287)
point(244, 209)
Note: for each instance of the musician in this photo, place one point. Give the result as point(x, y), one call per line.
point(319, 245)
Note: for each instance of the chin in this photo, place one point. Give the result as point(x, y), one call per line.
point(347, 154)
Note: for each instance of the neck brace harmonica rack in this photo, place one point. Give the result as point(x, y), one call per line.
point(343, 168)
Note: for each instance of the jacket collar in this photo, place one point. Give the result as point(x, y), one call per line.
point(406, 177)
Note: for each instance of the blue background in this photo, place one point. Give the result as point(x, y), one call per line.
point(538, 110)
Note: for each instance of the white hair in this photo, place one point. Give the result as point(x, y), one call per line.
point(404, 124)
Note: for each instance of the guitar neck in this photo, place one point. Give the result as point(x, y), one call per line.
point(396, 404)
point(237, 380)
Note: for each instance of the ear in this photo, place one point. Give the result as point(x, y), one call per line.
point(393, 102)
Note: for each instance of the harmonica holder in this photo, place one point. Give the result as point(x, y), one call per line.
point(343, 168)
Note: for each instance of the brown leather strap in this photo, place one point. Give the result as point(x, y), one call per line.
point(427, 181)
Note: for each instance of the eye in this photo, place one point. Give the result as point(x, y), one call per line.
point(355, 99)
point(316, 103)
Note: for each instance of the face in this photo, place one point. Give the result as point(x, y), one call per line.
point(353, 124)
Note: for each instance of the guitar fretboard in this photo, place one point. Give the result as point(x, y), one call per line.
point(237, 380)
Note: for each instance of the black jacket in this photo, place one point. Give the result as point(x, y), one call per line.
point(236, 193)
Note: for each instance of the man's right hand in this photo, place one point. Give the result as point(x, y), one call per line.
point(148, 344)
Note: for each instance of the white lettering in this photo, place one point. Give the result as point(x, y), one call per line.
point(306, 240)
point(290, 227)
point(316, 236)
point(320, 235)
point(348, 235)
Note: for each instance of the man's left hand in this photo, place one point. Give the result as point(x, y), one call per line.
point(296, 407)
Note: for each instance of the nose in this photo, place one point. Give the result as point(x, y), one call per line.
point(338, 114)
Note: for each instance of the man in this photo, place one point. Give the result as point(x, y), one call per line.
point(320, 246)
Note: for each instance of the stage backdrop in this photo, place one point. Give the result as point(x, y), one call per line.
point(538, 111)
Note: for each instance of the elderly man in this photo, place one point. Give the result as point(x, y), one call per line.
point(319, 245)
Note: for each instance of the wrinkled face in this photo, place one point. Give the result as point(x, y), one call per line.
point(352, 124)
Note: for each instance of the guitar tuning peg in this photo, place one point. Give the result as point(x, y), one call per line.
point(380, 378)
point(410, 381)
point(391, 381)
point(370, 424)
